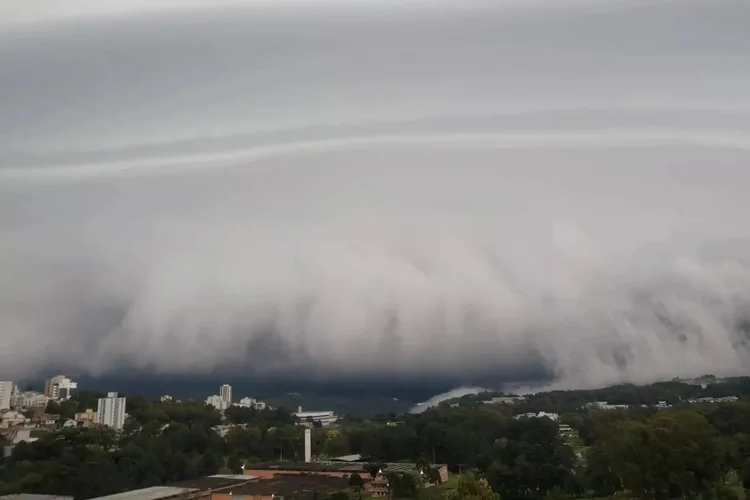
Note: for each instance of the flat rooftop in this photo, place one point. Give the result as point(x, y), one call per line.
point(287, 485)
point(348, 458)
point(152, 493)
point(31, 496)
point(331, 466)
point(218, 481)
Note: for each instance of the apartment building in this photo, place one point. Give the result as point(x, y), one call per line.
point(111, 411)
point(59, 387)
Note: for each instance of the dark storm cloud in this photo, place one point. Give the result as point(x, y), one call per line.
point(495, 192)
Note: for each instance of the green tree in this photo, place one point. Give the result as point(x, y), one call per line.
point(356, 482)
point(340, 495)
point(374, 468)
point(557, 493)
point(234, 464)
point(471, 487)
point(722, 492)
point(674, 454)
point(403, 484)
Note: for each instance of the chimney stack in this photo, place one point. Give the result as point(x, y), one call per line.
point(308, 446)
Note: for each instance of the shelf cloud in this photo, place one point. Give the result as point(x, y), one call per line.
point(500, 191)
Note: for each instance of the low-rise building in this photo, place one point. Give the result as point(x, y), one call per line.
point(504, 400)
point(29, 399)
point(246, 402)
point(156, 493)
point(20, 435)
point(565, 430)
point(251, 403)
point(217, 402)
point(552, 416)
point(603, 405)
point(33, 496)
point(335, 469)
point(87, 416)
point(12, 418)
point(196, 489)
point(725, 399)
point(280, 487)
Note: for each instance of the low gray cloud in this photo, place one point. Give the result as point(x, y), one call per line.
point(491, 191)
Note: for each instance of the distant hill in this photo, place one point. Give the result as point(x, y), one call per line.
point(672, 392)
point(363, 407)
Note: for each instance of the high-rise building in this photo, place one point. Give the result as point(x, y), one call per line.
point(226, 393)
point(59, 387)
point(49, 384)
point(6, 392)
point(111, 411)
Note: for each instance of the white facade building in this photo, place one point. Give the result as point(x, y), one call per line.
point(65, 388)
point(29, 399)
point(6, 393)
point(111, 411)
point(552, 416)
point(217, 402)
point(251, 403)
point(247, 402)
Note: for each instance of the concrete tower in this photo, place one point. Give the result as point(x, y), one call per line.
point(308, 446)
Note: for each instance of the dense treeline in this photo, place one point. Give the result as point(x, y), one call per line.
point(672, 393)
point(689, 451)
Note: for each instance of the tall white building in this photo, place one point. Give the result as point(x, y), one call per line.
point(111, 411)
point(6, 391)
point(225, 391)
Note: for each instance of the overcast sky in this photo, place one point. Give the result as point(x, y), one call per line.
point(419, 188)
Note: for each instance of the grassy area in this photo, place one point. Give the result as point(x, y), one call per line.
point(576, 443)
point(435, 492)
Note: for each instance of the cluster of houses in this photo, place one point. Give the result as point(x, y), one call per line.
point(603, 405)
point(17, 427)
